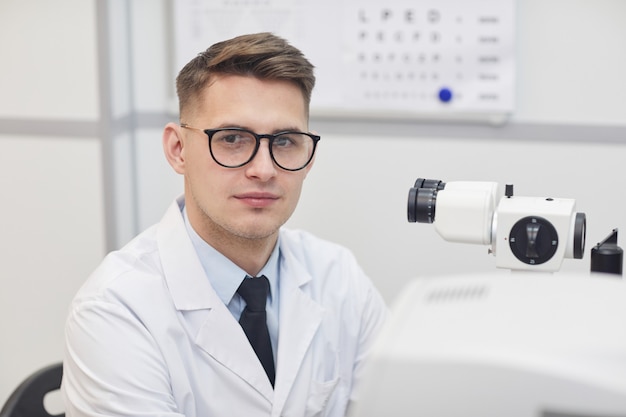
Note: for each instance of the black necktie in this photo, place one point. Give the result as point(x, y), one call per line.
point(253, 321)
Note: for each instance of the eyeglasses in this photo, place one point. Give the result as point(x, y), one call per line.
point(234, 147)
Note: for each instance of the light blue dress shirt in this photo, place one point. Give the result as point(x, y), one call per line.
point(225, 278)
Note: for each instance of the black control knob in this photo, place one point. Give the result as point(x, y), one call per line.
point(607, 256)
point(533, 240)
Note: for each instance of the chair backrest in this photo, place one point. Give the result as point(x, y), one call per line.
point(28, 398)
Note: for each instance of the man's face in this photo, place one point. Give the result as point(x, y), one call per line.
point(252, 201)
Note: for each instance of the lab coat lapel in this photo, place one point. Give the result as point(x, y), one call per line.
point(222, 337)
point(217, 331)
point(300, 317)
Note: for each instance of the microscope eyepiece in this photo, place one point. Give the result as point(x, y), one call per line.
point(422, 200)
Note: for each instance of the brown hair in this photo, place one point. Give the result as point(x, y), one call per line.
point(261, 55)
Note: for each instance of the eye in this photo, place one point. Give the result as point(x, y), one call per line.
point(286, 140)
point(231, 137)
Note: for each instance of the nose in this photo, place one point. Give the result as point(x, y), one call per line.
point(262, 166)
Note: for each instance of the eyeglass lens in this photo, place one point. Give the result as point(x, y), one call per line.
point(290, 150)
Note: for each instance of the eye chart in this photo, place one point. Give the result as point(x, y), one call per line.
point(440, 59)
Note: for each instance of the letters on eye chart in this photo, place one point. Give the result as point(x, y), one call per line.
point(408, 56)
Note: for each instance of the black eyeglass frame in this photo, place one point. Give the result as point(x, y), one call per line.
point(269, 136)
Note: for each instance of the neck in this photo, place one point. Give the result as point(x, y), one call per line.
point(250, 254)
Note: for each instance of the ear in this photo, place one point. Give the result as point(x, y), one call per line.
point(173, 147)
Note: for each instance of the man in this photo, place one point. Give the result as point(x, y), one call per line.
point(161, 328)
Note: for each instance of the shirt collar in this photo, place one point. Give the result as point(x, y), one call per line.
point(223, 275)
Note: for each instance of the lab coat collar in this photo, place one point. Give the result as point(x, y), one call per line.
point(183, 271)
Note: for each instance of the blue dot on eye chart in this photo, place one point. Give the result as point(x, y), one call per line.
point(445, 95)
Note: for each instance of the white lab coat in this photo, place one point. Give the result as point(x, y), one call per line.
point(147, 334)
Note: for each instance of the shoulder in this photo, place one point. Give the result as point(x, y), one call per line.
point(334, 280)
point(315, 252)
point(124, 271)
point(330, 266)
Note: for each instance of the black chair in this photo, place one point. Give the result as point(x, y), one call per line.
point(27, 399)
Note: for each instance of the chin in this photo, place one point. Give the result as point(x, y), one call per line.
point(254, 231)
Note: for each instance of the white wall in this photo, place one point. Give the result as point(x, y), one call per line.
point(49, 67)
point(571, 61)
point(52, 224)
point(99, 177)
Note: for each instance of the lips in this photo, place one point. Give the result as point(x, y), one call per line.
point(257, 199)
